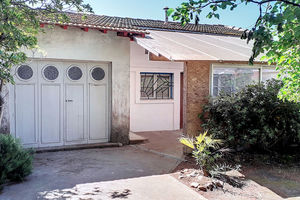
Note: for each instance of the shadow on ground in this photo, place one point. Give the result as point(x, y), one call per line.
point(84, 192)
point(158, 187)
point(55, 171)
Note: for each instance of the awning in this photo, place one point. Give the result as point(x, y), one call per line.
point(179, 46)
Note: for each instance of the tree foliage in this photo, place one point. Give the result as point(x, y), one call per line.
point(276, 34)
point(20, 24)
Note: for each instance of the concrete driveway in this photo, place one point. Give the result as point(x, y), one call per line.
point(56, 171)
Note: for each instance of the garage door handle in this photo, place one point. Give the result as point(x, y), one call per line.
point(68, 100)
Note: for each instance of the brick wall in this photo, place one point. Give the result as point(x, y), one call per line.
point(196, 92)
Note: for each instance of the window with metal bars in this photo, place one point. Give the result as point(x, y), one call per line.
point(156, 85)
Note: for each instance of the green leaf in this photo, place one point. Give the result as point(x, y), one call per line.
point(170, 11)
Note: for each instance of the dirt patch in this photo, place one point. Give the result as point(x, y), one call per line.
point(279, 173)
point(285, 181)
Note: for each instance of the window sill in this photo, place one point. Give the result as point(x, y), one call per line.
point(155, 101)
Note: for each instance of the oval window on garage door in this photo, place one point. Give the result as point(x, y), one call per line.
point(24, 72)
point(74, 73)
point(50, 73)
point(98, 73)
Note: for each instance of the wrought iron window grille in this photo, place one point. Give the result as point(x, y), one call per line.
point(156, 85)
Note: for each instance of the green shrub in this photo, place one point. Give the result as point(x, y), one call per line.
point(254, 118)
point(15, 161)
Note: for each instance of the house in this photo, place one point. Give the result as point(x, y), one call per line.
point(95, 80)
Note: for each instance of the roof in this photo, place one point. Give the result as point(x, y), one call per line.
point(188, 46)
point(142, 25)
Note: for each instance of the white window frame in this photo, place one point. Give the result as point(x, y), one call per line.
point(256, 66)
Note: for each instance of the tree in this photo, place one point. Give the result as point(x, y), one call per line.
point(19, 26)
point(276, 34)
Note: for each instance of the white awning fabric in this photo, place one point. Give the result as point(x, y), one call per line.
point(181, 46)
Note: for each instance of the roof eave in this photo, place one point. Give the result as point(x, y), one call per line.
point(134, 31)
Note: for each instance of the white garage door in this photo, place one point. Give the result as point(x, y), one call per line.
point(61, 103)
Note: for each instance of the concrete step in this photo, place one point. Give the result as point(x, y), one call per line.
point(136, 139)
point(76, 147)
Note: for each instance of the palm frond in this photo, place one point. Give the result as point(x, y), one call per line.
point(201, 138)
point(187, 142)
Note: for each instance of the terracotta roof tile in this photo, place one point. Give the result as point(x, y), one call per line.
point(142, 25)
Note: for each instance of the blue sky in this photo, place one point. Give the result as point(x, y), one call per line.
point(244, 16)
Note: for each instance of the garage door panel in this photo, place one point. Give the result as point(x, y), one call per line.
point(25, 113)
point(75, 112)
point(97, 112)
point(50, 114)
point(61, 103)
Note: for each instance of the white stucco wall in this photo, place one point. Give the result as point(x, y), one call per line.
point(77, 45)
point(152, 115)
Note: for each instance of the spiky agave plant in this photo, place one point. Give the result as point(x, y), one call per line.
point(204, 150)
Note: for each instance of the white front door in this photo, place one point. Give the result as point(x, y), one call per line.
point(61, 103)
point(50, 84)
point(98, 102)
point(26, 104)
point(75, 101)
point(74, 113)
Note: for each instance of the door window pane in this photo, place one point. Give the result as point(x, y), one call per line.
point(25, 72)
point(74, 73)
point(98, 74)
point(51, 73)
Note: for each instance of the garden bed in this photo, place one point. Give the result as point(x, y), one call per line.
point(260, 179)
